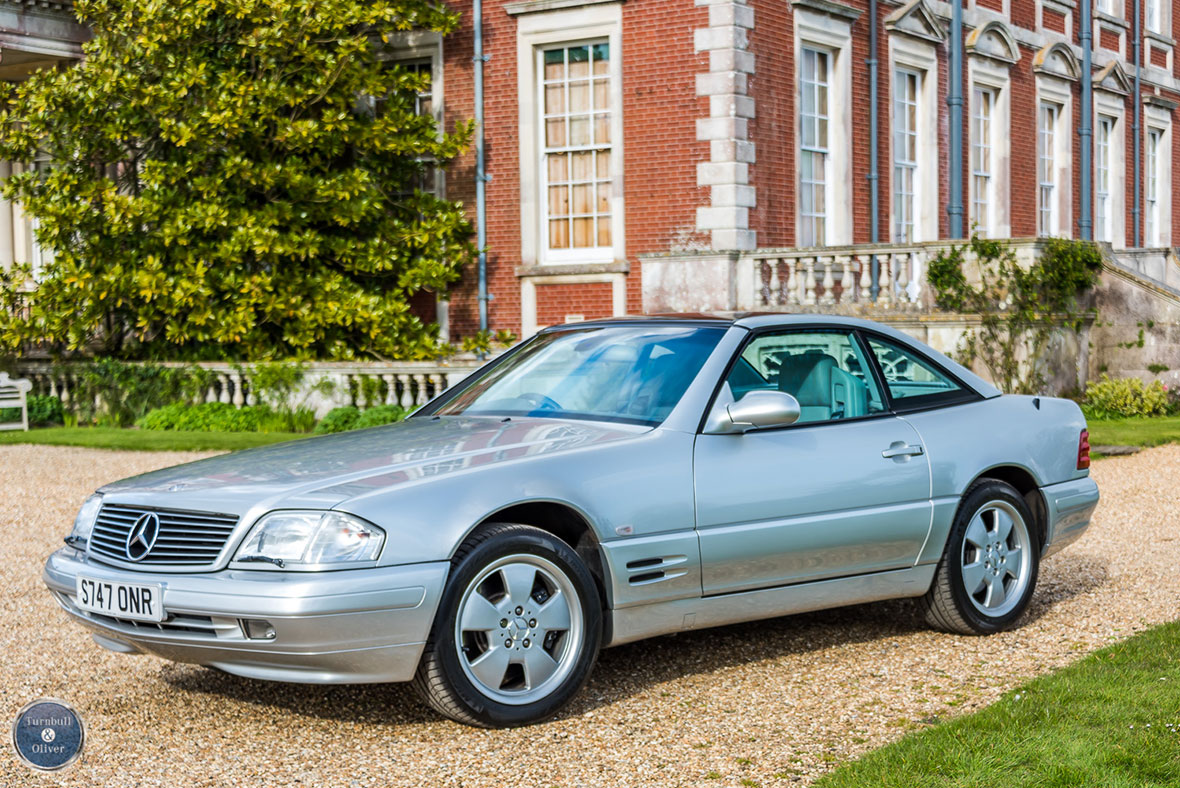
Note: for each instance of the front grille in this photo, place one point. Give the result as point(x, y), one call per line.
point(187, 538)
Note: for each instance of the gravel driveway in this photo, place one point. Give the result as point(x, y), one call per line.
point(771, 703)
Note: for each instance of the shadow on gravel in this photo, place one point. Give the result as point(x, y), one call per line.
point(370, 704)
point(627, 670)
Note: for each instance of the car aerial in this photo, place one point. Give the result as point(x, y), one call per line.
point(600, 483)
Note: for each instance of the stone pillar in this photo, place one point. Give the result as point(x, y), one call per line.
point(731, 153)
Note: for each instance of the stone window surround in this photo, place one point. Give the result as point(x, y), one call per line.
point(1054, 90)
point(993, 74)
point(1160, 119)
point(424, 45)
point(1114, 106)
point(537, 28)
point(596, 22)
point(919, 56)
point(833, 34)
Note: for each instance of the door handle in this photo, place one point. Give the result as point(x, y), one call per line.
point(900, 449)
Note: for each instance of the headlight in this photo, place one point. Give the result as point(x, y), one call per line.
point(84, 522)
point(304, 539)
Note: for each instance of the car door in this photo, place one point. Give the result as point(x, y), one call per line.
point(843, 491)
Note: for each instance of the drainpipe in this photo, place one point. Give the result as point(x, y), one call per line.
point(1138, 151)
point(954, 100)
point(1086, 130)
point(874, 176)
point(481, 176)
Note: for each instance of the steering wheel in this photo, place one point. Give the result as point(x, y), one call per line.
point(539, 401)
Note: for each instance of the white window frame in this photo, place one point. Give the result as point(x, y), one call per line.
point(921, 57)
point(1153, 16)
point(1058, 92)
point(1111, 106)
point(1048, 115)
point(536, 32)
point(1158, 121)
point(823, 32)
point(818, 148)
point(1151, 186)
point(1104, 212)
point(991, 75)
point(903, 226)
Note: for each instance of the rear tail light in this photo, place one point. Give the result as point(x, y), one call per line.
point(1084, 450)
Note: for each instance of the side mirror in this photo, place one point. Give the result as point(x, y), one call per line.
point(764, 409)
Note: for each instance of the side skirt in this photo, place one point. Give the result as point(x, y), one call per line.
point(680, 615)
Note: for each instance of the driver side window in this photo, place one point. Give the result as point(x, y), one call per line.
point(825, 370)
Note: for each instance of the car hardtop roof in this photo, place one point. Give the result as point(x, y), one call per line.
point(757, 320)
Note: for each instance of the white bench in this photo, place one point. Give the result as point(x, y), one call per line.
point(14, 394)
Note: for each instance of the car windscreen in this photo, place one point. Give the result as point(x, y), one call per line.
point(625, 373)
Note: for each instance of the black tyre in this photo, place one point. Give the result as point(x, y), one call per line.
point(989, 569)
point(517, 630)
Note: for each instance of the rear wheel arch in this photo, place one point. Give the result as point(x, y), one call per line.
point(1023, 480)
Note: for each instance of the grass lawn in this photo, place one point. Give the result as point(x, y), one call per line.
point(1111, 719)
point(1140, 431)
point(146, 440)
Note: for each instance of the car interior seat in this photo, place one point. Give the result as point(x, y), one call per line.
point(824, 390)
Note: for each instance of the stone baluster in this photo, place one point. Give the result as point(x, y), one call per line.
point(407, 398)
point(419, 389)
point(390, 388)
point(885, 284)
point(211, 394)
point(865, 285)
point(916, 278)
point(53, 387)
point(772, 294)
point(790, 288)
point(239, 398)
point(437, 383)
point(223, 379)
point(809, 283)
point(829, 296)
point(903, 276)
point(845, 277)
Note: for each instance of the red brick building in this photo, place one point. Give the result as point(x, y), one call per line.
point(646, 155)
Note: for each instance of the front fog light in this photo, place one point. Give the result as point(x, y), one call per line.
point(311, 539)
point(257, 629)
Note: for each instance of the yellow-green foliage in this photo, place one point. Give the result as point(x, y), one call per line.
point(1109, 398)
point(218, 180)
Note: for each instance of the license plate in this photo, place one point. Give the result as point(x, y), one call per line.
point(134, 601)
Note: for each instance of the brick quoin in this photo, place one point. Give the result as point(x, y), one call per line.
point(661, 153)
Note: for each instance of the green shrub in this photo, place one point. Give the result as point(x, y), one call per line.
point(1109, 398)
point(126, 392)
point(338, 420)
point(206, 417)
point(382, 414)
point(43, 410)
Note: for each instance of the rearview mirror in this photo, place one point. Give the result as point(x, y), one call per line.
point(766, 408)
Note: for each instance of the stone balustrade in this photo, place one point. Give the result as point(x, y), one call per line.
point(408, 384)
point(842, 275)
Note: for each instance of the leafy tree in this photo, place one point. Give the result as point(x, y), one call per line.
point(221, 182)
point(1020, 307)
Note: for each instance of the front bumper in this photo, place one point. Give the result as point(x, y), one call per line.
point(347, 627)
point(1070, 506)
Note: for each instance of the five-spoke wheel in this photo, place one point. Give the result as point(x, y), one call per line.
point(517, 629)
point(989, 569)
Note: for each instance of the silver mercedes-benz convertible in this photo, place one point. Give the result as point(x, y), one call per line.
point(600, 483)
